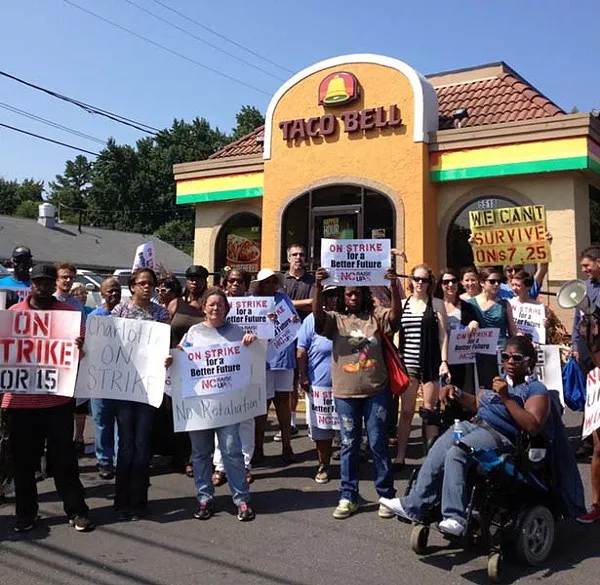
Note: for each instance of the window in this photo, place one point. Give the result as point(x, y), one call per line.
point(238, 243)
point(594, 215)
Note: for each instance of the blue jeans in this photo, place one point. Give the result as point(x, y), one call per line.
point(203, 444)
point(104, 414)
point(444, 473)
point(374, 411)
point(134, 420)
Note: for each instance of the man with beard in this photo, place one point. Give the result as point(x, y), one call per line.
point(15, 288)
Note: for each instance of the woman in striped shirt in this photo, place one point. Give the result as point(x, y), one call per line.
point(424, 347)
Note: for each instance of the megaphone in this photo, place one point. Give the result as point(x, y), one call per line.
point(572, 295)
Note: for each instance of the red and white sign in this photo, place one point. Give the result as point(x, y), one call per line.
point(252, 315)
point(321, 409)
point(591, 418)
point(38, 354)
point(463, 346)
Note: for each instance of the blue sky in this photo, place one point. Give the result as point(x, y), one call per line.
point(49, 42)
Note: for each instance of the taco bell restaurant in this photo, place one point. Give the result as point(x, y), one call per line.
point(364, 146)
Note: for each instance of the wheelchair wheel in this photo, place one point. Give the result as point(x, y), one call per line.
point(418, 539)
point(494, 567)
point(535, 535)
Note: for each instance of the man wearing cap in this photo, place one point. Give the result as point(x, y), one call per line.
point(16, 285)
point(33, 418)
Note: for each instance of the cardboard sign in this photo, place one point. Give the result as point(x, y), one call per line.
point(356, 262)
point(591, 417)
point(20, 291)
point(529, 319)
point(321, 409)
point(224, 408)
point(251, 314)
point(214, 368)
point(124, 359)
point(144, 257)
point(509, 235)
point(38, 354)
point(287, 324)
point(462, 345)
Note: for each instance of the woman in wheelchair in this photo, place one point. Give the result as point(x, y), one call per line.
point(514, 404)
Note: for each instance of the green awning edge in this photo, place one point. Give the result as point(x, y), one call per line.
point(220, 195)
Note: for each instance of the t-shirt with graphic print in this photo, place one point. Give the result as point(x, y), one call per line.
point(358, 368)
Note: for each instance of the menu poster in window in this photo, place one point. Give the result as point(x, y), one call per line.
point(243, 248)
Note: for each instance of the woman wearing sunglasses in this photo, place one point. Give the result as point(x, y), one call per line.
point(511, 406)
point(424, 348)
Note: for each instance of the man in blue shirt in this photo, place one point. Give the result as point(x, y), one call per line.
point(14, 288)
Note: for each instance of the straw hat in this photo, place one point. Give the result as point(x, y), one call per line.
point(265, 273)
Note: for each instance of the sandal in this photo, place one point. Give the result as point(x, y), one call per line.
point(219, 478)
point(189, 471)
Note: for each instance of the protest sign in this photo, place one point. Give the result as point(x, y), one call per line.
point(38, 354)
point(144, 256)
point(462, 345)
point(321, 409)
point(509, 235)
point(224, 408)
point(591, 417)
point(124, 359)
point(529, 319)
point(287, 324)
point(251, 314)
point(214, 368)
point(356, 262)
point(21, 293)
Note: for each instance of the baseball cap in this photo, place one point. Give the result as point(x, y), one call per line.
point(196, 270)
point(330, 288)
point(43, 271)
point(21, 251)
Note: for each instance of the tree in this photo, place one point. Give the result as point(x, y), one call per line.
point(70, 190)
point(12, 193)
point(248, 119)
point(27, 209)
point(574, 110)
point(178, 233)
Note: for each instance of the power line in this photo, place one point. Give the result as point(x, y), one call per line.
point(221, 36)
point(172, 51)
point(187, 32)
point(50, 123)
point(87, 107)
point(48, 139)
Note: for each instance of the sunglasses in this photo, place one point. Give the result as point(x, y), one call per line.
point(493, 281)
point(516, 357)
point(235, 280)
point(420, 279)
point(450, 281)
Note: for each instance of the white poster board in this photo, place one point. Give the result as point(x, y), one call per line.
point(252, 315)
point(124, 360)
point(529, 319)
point(287, 324)
point(144, 257)
point(38, 354)
point(356, 262)
point(591, 417)
point(21, 292)
point(225, 408)
point(462, 345)
point(321, 409)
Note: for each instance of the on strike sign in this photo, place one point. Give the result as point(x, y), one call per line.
point(38, 354)
point(591, 418)
point(356, 262)
point(252, 315)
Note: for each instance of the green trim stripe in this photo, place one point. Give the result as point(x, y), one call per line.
point(594, 164)
point(521, 168)
point(220, 195)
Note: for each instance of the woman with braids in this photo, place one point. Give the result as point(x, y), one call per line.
point(513, 404)
point(360, 382)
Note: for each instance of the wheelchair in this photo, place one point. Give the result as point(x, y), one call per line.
point(510, 507)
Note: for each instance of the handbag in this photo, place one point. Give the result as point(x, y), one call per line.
point(573, 385)
point(397, 377)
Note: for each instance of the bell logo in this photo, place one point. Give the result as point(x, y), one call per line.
point(338, 88)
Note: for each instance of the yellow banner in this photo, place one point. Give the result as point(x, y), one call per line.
point(509, 235)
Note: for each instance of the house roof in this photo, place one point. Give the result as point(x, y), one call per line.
point(491, 94)
point(92, 249)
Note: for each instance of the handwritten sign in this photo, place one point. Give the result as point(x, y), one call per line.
point(591, 418)
point(356, 262)
point(224, 408)
point(529, 319)
point(463, 346)
point(509, 235)
point(215, 368)
point(287, 324)
point(38, 354)
point(251, 314)
point(125, 360)
point(321, 409)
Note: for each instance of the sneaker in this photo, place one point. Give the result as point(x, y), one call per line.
point(345, 509)
point(385, 512)
point(106, 472)
point(203, 511)
point(592, 516)
point(277, 437)
point(81, 524)
point(245, 513)
point(395, 505)
point(322, 474)
point(452, 527)
point(25, 524)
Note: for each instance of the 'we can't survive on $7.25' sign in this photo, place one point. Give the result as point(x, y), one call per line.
point(38, 354)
